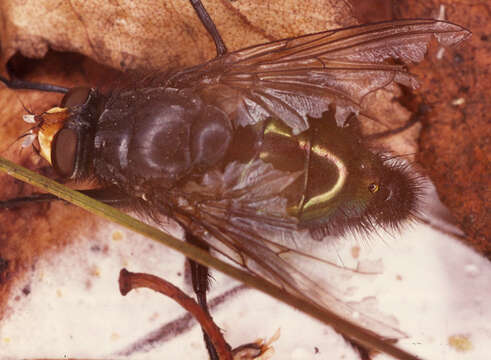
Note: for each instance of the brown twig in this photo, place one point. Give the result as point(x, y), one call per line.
point(129, 281)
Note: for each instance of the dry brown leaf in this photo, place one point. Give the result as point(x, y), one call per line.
point(454, 144)
point(156, 34)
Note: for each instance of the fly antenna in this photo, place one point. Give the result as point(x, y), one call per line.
point(209, 26)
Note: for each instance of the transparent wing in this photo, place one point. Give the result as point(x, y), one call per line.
point(240, 213)
point(299, 77)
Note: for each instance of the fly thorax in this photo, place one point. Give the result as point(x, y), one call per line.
point(158, 137)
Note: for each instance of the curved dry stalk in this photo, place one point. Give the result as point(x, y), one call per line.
point(129, 281)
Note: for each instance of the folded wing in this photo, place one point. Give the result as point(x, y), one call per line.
point(299, 77)
point(241, 214)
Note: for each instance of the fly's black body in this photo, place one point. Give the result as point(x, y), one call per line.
point(157, 138)
point(253, 144)
point(150, 141)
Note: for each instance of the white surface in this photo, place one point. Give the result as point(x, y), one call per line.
point(432, 285)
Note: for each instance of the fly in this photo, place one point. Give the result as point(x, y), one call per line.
point(252, 149)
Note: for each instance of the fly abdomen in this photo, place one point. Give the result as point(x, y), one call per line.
point(155, 136)
point(321, 154)
point(343, 185)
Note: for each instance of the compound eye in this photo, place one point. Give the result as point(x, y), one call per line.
point(373, 188)
point(75, 96)
point(63, 152)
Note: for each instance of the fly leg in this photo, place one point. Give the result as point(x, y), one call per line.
point(13, 82)
point(210, 26)
point(414, 119)
point(201, 284)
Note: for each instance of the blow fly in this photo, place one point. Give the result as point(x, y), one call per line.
point(254, 151)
